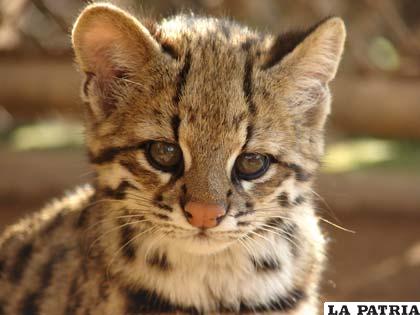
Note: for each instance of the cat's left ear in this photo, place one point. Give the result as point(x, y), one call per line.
point(110, 45)
point(309, 62)
point(106, 39)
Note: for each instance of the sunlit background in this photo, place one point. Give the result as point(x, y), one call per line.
point(370, 181)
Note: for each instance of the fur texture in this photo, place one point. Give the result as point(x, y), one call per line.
point(217, 89)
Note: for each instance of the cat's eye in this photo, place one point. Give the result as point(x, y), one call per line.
point(164, 156)
point(250, 166)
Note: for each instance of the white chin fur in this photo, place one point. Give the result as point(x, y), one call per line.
point(201, 246)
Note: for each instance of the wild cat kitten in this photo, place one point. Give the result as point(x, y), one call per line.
point(205, 137)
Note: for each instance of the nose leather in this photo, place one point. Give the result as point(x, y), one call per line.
point(204, 215)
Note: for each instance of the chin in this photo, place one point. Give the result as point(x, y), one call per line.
point(199, 244)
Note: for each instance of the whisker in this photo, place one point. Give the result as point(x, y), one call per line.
point(125, 245)
point(337, 226)
point(114, 229)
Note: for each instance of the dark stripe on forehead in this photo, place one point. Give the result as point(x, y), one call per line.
point(175, 122)
point(247, 84)
point(182, 78)
point(108, 154)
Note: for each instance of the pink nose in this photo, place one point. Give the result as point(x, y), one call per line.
point(204, 215)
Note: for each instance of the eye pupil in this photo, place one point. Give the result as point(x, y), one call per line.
point(250, 166)
point(164, 156)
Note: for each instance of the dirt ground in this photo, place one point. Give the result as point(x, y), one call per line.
point(379, 262)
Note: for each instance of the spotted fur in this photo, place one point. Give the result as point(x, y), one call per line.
point(123, 245)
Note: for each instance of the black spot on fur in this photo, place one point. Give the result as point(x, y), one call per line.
point(243, 223)
point(246, 45)
point(127, 233)
point(284, 303)
point(47, 271)
point(2, 267)
point(243, 213)
point(169, 49)
point(184, 189)
point(159, 261)
point(275, 222)
point(299, 200)
point(182, 78)
point(120, 192)
point(175, 122)
point(161, 216)
point(163, 206)
point(266, 264)
point(249, 205)
point(22, 259)
point(300, 174)
point(31, 301)
point(29, 304)
point(283, 199)
point(74, 298)
point(142, 301)
point(83, 217)
point(229, 193)
point(159, 198)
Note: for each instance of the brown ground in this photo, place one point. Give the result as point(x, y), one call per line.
point(380, 262)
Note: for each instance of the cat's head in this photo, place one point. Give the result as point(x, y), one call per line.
point(204, 129)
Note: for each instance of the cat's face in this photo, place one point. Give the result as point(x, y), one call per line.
point(204, 131)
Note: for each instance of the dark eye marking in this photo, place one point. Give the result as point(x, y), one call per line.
point(119, 192)
point(108, 155)
point(301, 175)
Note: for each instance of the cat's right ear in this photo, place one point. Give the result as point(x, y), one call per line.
point(108, 43)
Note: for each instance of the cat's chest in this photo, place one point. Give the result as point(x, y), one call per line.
point(229, 278)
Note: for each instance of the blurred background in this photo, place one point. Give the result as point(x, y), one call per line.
point(370, 181)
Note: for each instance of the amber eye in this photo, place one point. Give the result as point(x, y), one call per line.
point(164, 156)
point(250, 166)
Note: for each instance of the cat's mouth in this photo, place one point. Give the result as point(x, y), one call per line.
point(202, 235)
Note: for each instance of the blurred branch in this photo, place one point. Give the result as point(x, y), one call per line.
point(406, 38)
point(40, 5)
